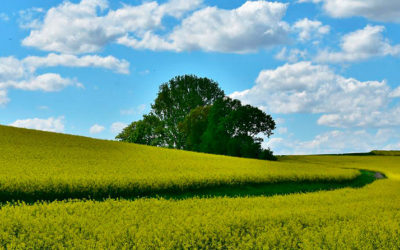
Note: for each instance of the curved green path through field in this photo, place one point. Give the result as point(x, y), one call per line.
point(37, 164)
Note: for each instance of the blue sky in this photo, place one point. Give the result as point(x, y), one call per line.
point(326, 70)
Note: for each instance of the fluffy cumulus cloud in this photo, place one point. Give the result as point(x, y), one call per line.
point(117, 127)
point(252, 26)
point(51, 124)
point(361, 45)
point(308, 29)
point(292, 55)
point(48, 82)
point(335, 141)
point(378, 10)
point(30, 18)
point(89, 25)
point(21, 74)
point(68, 60)
point(16, 74)
point(96, 128)
point(307, 88)
point(363, 118)
point(395, 93)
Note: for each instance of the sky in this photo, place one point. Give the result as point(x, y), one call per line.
point(326, 70)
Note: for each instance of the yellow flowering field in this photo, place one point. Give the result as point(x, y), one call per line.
point(40, 163)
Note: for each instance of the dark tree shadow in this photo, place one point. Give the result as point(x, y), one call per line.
point(241, 190)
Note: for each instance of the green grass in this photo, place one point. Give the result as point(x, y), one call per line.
point(355, 216)
point(268, 189)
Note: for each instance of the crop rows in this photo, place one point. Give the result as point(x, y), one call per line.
point(367, 218)
point(37, 165)
point(43, 165)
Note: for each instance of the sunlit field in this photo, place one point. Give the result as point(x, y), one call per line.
point(43, 165)
point(115, 195)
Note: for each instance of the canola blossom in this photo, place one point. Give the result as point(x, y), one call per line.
point(41, 163)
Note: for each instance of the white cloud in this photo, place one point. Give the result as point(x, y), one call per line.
point(309, 29)
point(117, 127)
point(377, 10)
point(393, 146)
point(52, 60)
point(4, 17)
point(292, 56)
point(81, 27)
point(282, 130)
point(333, 142)
point(306, 88)
point(363, 118)
point(177, 8)
point(279, 120)
point(21, 74)
point(11, 69)
point(96, 128)
point(3, 97)
point(16, 74)
point(134, 111)
point(250, 27)
point(30, 18)
point(361, 45)
point(48, 82)
point(51, 124)
point(395, 93)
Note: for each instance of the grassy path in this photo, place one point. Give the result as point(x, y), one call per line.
point(222, 190)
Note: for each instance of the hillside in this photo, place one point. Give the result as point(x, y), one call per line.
point(38, 165)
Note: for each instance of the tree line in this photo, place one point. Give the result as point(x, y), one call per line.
point(193, 113)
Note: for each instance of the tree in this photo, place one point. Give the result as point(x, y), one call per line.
point(177, 98)
point(193, 127)
point(148, 131)
point(194, 114)
point(233, 129)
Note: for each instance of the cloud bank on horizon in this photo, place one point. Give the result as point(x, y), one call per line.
point(325, 69)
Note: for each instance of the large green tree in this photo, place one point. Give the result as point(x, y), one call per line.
point(176, 98)
point(194, 114)
point(193, 127)
point(235, 129)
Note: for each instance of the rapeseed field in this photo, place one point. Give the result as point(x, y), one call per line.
point(46, 166)
point(38, 165)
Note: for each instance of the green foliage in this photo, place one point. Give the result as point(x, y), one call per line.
point(386, 152)
point(192, 113)
point(177, 98)
point(149, 131)
point(233, 128)
point(193, 127)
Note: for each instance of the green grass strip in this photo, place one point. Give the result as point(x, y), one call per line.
point(222, 190)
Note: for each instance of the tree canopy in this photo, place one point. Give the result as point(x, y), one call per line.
point(177, 98)
point(193, 113)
